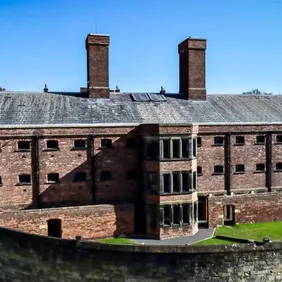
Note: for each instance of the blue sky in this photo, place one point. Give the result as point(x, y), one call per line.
point(43, 42)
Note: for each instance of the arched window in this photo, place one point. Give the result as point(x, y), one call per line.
point(54, 227)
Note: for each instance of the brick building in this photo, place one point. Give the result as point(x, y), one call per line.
point(99, 162)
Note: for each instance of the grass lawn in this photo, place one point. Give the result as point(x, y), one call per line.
point(255, 231)
point(117, 241)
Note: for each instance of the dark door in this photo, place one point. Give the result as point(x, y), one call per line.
point(55, 228)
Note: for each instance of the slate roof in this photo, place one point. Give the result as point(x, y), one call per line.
point(37, 109)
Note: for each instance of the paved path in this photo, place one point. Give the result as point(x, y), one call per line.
point(199, 236)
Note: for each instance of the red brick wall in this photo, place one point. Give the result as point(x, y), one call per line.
point(89, 221)
point(248, 208)
point(12, 164)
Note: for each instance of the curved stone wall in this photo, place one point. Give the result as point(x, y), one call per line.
point(26, 257)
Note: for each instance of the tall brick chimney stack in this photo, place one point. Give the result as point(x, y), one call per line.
point(97, 46)
point(192, 68)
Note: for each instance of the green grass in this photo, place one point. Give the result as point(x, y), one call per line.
point(117, 241)
point(251, 231)
point(254, 231)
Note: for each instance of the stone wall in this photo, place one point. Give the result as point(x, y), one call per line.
point(26, 257)
point(98, 221)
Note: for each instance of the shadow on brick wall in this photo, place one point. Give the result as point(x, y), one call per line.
point(124, 185)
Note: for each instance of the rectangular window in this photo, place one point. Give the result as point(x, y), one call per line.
point(194, 180)
point(186, 214)
point(260, 167)
point(176, 182)
point(52, 145)
point(106, 143)
point(199, 142)
point(185, 148)
point(218, 141)
point(106, 175)
point(152, 182)
point(195, 214)
point(24, 179)
point(176, 148)
point(218, 169)
point(79, 144)
point(131, 174)
point(53, 177)
point(152, 149)
point(278, 166)
point(199, 171)
point(161, 216)
point(1, 181)
point(24, 146)
point(166, 149)
point(131, 143)
point(185, 182)
point(260, 139)
point(194, 147)
point(80, 176)
point(278, 138)
point(240, 168)
point(176, 215)
point(228, 212)
point(167, 215)
point(166, 183)
point(240, 140)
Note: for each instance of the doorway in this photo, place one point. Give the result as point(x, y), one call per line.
point(229, 214)
point(54, 228)
point(202, 210)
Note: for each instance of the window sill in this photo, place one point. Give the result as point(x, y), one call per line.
point(23, 184)
point(52, 182)
point(176, 193)
point(239, 144)
point(259, 143)
point(199, 174)
point(78, 149)
point(23, 151)
point(239, 172)
point(259, 171)
point(278, 143)
point(218, 173)
point(217, 145)
point(50, 150)
point(176, 159)
point(277, 170)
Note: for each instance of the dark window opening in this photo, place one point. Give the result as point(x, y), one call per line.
point(202, 209)
point(166, 183)
point(161, 216)
point(229, 214)
point(53, 177)
point(260, 167)
point(186, 214)
point(106, 143)
point(278, 138)
point(194, 180)
point(185, 182)
point(152, 182)
point(199, 142)
point(54, 228)
point(176, 148)
point(152, 149)
point(218, 169)
point(24, 179)
point(240, 168)
point(166, 149)
point(199, 171)
point(278, 166)
point(131, 174)
point(1, 181)
point(167, 215)
point(260, 139)
point(23, 146)
point(240, 140)
point(176, 214)
point(153, 216)
point(79, 144)
point(185, 148)
point(131, 143)
point(218, 141)
point(53, 144)
point(195, 214)
point(194, 148)
point(176, 182)
point(80, 177)
point(106, 175)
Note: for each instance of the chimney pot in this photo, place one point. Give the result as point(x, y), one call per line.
point(45, 89)
point(162, 91)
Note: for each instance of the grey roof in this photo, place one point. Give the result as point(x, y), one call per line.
point(37, 109)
